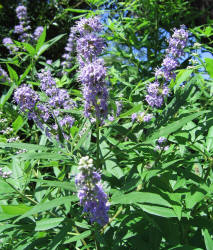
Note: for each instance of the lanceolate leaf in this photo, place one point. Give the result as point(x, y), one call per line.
point(42, 207)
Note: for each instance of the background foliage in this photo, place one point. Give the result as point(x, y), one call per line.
point(159, 199)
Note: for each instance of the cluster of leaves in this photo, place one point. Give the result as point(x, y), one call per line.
point(159, 199)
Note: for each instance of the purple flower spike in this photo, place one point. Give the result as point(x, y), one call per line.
point(161, 140)
point(21, 12)
point(37, 33)
point(157, 92)
point(4, 76)
point(23, 28)
point(90, 192)
point(26, 98)
point(8, 43)
point(84, 38)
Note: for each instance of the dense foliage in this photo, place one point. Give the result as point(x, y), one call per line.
point(106, 126)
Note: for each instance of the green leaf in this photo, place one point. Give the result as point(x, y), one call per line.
point(50, 156)
point(27, 70)
point(185, 247)
point(48, 44)
point(165, 131)
point(82, 139)
point(159, 211)
point(15, 209)
point(41, 40)
point(7, 226)
point(5, 216)
point(18, 172)
point(6, 96)
point(78, 10)
point(18, 123)
point(209, 66)
point(48, 223)
point(42, 207)
point(182, 76)
point(60, 236)
point(192, 198)
point(29, 48)
point(135, 109)
point(208, 240)
point(81, 236)
point(140, 197)
point(12, 73)
point(209, 139)
point(59, 184)
point(27, 146)
point(5, 188)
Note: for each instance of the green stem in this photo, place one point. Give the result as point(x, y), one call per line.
point(208, 170)
point(22, 195)
point(111, 219)
point(83, 241)
point(98, 144)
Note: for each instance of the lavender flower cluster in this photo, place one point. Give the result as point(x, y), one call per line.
point(4, 174)
point(9, 44)
point(141, 117)
point(161, 144)
point(156, 91)
point(69, 49)
point(90, 192)
point(22, 30)
point(92, 71)
point(4, 76)
point(46, 111)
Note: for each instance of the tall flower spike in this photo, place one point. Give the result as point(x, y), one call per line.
point(90, 192)
point(157, 91)
point(92, 72)
point(69, 49)
point(23, 28)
